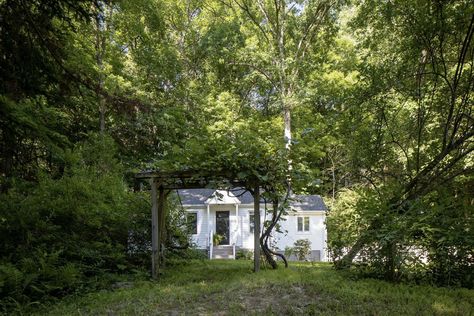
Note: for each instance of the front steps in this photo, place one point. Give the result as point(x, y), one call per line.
point(223, 252)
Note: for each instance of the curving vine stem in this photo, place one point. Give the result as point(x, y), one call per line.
point(277, 212)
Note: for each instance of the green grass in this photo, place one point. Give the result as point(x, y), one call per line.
point(231, 288)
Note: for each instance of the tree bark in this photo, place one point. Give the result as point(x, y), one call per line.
point(276, 215)
point(256, 231)
point(420, 185)
point(155, 255)
point(100, 47)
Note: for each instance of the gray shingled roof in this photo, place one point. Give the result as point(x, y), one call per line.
point(300, 202)
point(194, 196)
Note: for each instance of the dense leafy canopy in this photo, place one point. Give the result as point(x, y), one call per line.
point(367, 103)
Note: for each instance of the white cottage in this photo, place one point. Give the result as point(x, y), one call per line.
point(230, 215)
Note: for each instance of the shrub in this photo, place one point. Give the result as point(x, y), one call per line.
point(58, 234)
point(244, 254)
point(216, 239)
point(430, 240)
point(302, 249)
point(288, 252)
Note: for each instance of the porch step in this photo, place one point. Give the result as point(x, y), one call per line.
point(223, 252)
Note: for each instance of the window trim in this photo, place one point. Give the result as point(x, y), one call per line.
point(303, 224)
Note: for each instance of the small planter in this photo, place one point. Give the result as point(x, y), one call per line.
point(216, 239)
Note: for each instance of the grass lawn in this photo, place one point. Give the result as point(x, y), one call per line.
point(230, 288)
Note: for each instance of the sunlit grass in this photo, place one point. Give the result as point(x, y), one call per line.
point(230, 287)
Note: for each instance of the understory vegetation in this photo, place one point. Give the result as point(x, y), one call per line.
point(78, 233)
point(366, 103)
point(431, 246)
point(231, 288)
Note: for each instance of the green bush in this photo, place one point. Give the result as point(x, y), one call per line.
point(433, 241)
point(244, 254)
point(288, 252)
point(302, 249)
point(58, 234)
point(216, 239)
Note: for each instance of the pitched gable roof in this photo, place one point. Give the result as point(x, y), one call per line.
point(308, 203)
point(222, 197)
point(207, 196)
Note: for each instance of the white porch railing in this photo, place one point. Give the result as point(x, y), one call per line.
point(211, 244)
point(233, 250)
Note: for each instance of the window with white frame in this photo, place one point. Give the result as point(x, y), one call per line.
point(303, 223)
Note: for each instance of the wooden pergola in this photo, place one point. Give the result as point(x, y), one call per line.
point(163, 182)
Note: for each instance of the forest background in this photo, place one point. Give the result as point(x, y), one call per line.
point(367, 103)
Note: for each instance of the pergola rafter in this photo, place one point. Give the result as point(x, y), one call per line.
point(163, 182)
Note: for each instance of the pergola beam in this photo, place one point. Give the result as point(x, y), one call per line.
point(182, 174)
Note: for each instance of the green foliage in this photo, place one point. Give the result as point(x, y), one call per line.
point(425, 243)
point(244, 254)
point(308, 289)
point(182, 256)
point(288, 252)
point(61, 234)
point(348, 218)
point(446, 235)
point(410, 143)
point(302, 249)
point(376, 93)
point(216, 239)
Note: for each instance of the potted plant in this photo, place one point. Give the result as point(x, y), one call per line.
point(216, 239)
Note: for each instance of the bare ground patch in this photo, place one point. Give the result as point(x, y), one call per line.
point(263, 299)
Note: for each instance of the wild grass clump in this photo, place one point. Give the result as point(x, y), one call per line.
point(230, 287)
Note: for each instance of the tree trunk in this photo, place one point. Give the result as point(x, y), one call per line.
point(155, 255)
point(276, 215)
point(100, 47)
point(420, 185)
point(256, 232)
point(347, 260)
point(390, 264)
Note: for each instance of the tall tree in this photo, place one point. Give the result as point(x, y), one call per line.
point(420, 107)
point(284, 39)
point(35, 84)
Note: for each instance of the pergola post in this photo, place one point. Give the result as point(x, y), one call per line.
point(161, 222)
point(256, 230)
point(155, 255)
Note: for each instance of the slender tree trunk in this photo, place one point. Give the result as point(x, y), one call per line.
point(390, 265)
point(8, 154)
point(256, 233)
point(348, 258)
point(276, 215)
point(287, 132)
point(333, 172)
point(100, 46)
